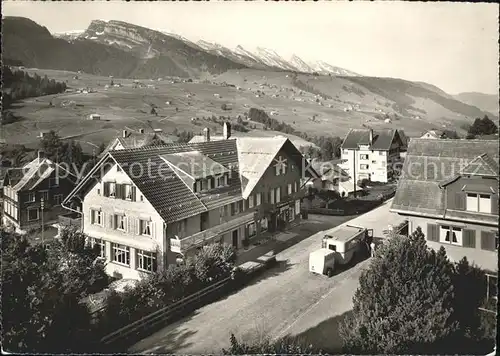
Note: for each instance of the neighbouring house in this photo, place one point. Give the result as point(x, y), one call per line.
point(450, 189)
point(330, 174)
point(94, 117)
point(147, 207)
point(372, 155)
point(139, 138)
point(25, 188)
point(347, 188)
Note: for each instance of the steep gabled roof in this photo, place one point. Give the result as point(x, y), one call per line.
point(483, 165)
point(382, 139)
point(430, 164)
point(33, 173)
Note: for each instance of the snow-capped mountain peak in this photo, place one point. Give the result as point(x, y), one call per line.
point(301, 66)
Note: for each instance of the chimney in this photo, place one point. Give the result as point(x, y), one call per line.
point(206, 134)
point(371, 137)
point(226, 130)
point(41, 155)
point(125, 133)
point(141, 131)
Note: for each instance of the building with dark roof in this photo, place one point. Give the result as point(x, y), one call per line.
point(25, 188)
point(450, 189)
point(371, 154)
point(147, 206)
point(140, 138)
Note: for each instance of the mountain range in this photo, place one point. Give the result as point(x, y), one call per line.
point(142, 52)
point(261, 58)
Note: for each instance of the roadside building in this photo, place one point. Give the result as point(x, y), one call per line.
point(450, 189)
point(370, 154)
point(25, 188)
point(193, 194)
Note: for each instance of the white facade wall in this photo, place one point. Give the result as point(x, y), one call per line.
point(132, 237)
point(377, 162)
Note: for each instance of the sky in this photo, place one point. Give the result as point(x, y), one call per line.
point(451, 45)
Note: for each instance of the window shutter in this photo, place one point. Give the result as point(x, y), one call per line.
point(134, 193)
point(153, 229)
point(487, 240)
point(106, 189)
point(494, 204)
point(111, 221)
point(432, 232)
point(137, 227)
point(469, 238)
point(460, 201)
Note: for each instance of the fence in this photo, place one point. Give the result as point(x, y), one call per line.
point(164, 314)
point(324, 211)
point(187, 304)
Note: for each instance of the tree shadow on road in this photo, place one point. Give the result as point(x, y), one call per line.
point(325, 336)
point(168, 340)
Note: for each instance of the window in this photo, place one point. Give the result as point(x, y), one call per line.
point(250, 202)
point(121, 254)
point(451, 235)
point(278, 194)
point(112, 190)
point(142, 197)
point(58, 199)
point(374, 161)
point(128, 192)
point(364, 156)
point(289, 188)
point(96, 217)
point(101, 244)
point(33, 214)
point(31, 197)
point(221, 181)
point(44, 195)
point(146, 261)
point(295, 188)
point(54, 182)
point(258, 199)
point(363, 166)
point(297, 207)
point(120, 222)
point(380, 153)
point(198, 186)
point(263, 224)
point(484, 203)
point(478, 202)
point(251, 229)
point(271, 196)
point(145, 226)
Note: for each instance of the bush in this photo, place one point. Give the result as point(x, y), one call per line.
point(212, 263)
point(283, 346)
point(483, 126)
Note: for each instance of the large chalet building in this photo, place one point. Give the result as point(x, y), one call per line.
point(25, 188)
point(148, 206)
point(450, 189)
point(371, 154)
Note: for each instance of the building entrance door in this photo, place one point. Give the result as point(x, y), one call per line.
point(235, 238)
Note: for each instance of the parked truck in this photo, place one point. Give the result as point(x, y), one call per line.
point(339, 246)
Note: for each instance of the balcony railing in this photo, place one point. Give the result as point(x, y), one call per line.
point(207, 235)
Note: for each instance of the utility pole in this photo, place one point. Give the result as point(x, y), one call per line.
point(43, 227)
point(354, 172)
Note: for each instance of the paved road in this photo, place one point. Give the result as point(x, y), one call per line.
point(286, 300)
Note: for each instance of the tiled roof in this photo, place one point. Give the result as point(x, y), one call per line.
point(483, 165)
point(255, 154)
point(195, 164)
point(428, 164)
point(167, 184)
point(164, 189)
point(201, 138)
point(382, 139)
point(32, 174)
